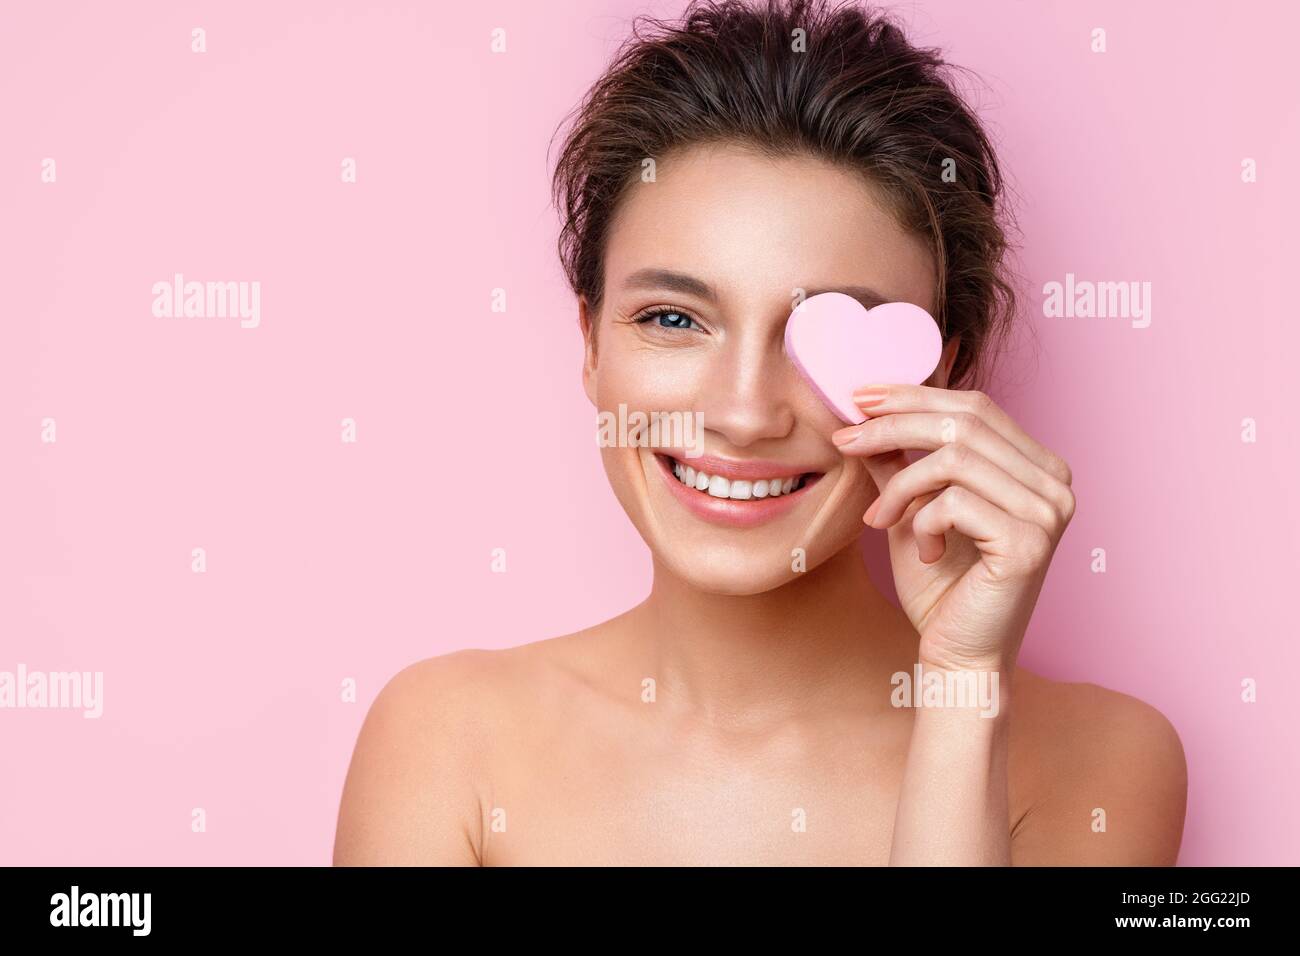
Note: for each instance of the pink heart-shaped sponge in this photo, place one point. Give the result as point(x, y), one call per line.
point(840, 346)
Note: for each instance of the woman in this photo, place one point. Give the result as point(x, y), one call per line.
point(748, 711)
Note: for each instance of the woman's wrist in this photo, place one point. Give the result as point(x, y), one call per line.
point(943, 659)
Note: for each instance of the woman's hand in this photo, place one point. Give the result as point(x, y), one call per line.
point(969, 595)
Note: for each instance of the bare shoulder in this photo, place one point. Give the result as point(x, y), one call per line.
point(414, 793)
point(411, 794)
point(1105, 774)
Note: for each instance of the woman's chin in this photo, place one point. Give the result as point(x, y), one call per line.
point(722, 571)
point(747, 567)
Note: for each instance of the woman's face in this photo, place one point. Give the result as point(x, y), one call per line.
point(723, 244)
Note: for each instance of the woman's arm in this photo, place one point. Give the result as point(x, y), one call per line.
point(409, 798)
point(953, 804)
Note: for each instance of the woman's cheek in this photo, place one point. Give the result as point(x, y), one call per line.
point(640, 378)
point(648, 379)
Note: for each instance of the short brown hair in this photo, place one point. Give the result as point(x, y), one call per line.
point(860, 95)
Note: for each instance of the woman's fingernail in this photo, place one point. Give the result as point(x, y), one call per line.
point(871, 395)
point(871, 512)
point(844, 435)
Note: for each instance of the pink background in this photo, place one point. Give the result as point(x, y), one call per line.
point(329, 561)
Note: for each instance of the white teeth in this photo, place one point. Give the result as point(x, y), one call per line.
point(738, 490)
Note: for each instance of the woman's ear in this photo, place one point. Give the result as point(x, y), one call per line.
point(946, 360)
point(587, 323)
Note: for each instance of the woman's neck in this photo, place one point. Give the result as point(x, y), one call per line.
point(820, 642)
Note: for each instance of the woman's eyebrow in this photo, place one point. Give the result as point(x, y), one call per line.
point(869, 298)
point(673, 281)
point(690, 285)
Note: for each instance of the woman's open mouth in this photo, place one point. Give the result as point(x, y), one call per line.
point(739, 494)
point(738, 489)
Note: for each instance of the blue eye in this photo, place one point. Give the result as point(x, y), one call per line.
point(668, 319)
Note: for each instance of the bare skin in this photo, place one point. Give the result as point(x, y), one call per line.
point(742, 714)
point(545, 740)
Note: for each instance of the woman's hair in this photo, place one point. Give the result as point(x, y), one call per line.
point(856, 93)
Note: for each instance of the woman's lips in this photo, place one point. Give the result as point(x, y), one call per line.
point(732, 512)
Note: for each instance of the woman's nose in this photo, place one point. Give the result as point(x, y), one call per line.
point(747, 395)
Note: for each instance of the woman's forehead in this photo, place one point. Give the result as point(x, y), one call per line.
point(733, 216)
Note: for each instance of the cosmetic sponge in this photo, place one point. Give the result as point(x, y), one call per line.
point(839, 346)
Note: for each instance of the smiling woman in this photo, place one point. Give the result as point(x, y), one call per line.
point(744, 712)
